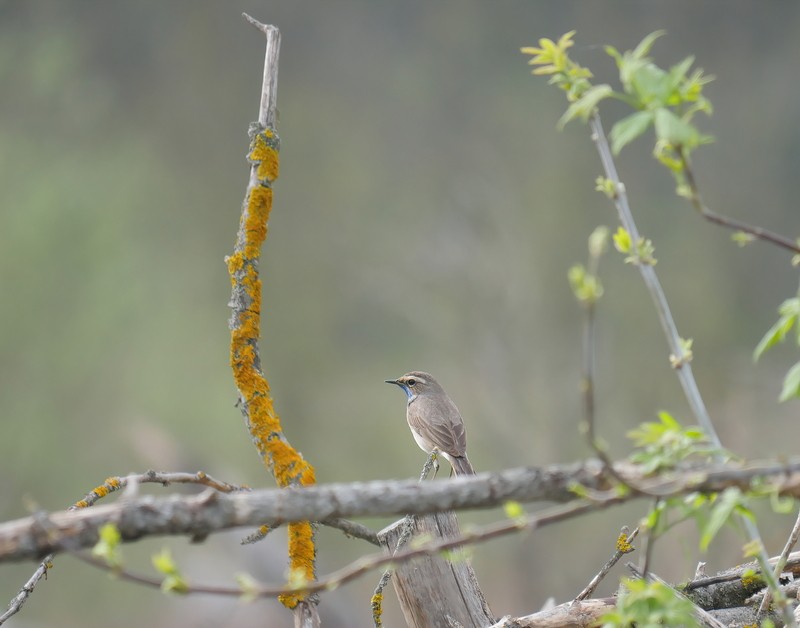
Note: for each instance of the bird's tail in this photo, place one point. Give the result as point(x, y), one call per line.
point(462, 466)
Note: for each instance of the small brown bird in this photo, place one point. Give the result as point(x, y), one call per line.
point(435, 422)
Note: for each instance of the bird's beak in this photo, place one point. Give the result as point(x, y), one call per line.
point(392, 381)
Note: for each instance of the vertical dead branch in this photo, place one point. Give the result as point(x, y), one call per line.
point(285, 463)
point(435, 591)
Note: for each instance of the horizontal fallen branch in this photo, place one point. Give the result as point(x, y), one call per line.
point(209, 512)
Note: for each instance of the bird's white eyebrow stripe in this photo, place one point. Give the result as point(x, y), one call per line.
point(414, 377)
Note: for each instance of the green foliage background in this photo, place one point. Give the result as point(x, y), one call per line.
point(425, 218)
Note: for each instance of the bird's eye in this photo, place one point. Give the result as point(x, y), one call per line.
point(411, 382)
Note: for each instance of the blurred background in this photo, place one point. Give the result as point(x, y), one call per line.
point(425, 218)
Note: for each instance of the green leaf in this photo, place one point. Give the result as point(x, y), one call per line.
point(678, 71)
point(791, 384)
point(164, 563)
point(579, 490)
point(585, 286)
point(669, 421)
point(790, 307)
point(673, 130)
point(586, 104)
point(108, 545)
point(458, 554)
point(614, 54)
point(606, 186)
point(776, 333)
point(646, 44)
point(648, 604)
point(781, 505)
point(651, 520)
point(248, 586)
point(650, 84)
point(751, 549)
point(629, 128)
point(598, 241)
point(742, 239)
point(297, 578)
point(644, 253)
point(513, 510)
point(725, 504)
point(686, 349)
point(622, 240)
point(109, 533)
point(665, 443)
point(174, 583)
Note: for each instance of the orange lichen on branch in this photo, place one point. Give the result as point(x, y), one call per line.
point(98, 492)
point(259, 205)
point(285, 463)
point(301, 538)
point(257, 536)
point(235, 263)
point(264, 154)
point(376, 602)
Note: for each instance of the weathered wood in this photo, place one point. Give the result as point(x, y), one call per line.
point(582, 614)
point(435, 592)
point(587, 614)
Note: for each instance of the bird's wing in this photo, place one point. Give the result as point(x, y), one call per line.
point(442, 425)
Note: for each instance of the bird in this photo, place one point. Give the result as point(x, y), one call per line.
point(434, 419)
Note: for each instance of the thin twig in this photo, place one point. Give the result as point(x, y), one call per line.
point(367, 563)
point(793, 562)
point(784, 556)
point(684, 369)
point(682, 364)
point(619, 553)
point(353, 529)
point(376, 602)
point(268, 107)
point(587, 385)
point(649, 544)
point(16, 603)
point(731, 223)
point(155, 582)
point(111, 485)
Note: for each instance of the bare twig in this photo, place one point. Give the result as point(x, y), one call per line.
point(268, 107)
point(587, 383)
point(731, 223)
point(784, 556)
point(370, 562)
point(376, 601)
point(155, 582)
point(111, 485)
point(622, 549)
point(587, 380)
point(353, 529)
point(700, 570)
point(16, 603)
point(649, 544)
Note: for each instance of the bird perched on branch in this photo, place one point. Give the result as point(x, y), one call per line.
point(435, 422)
